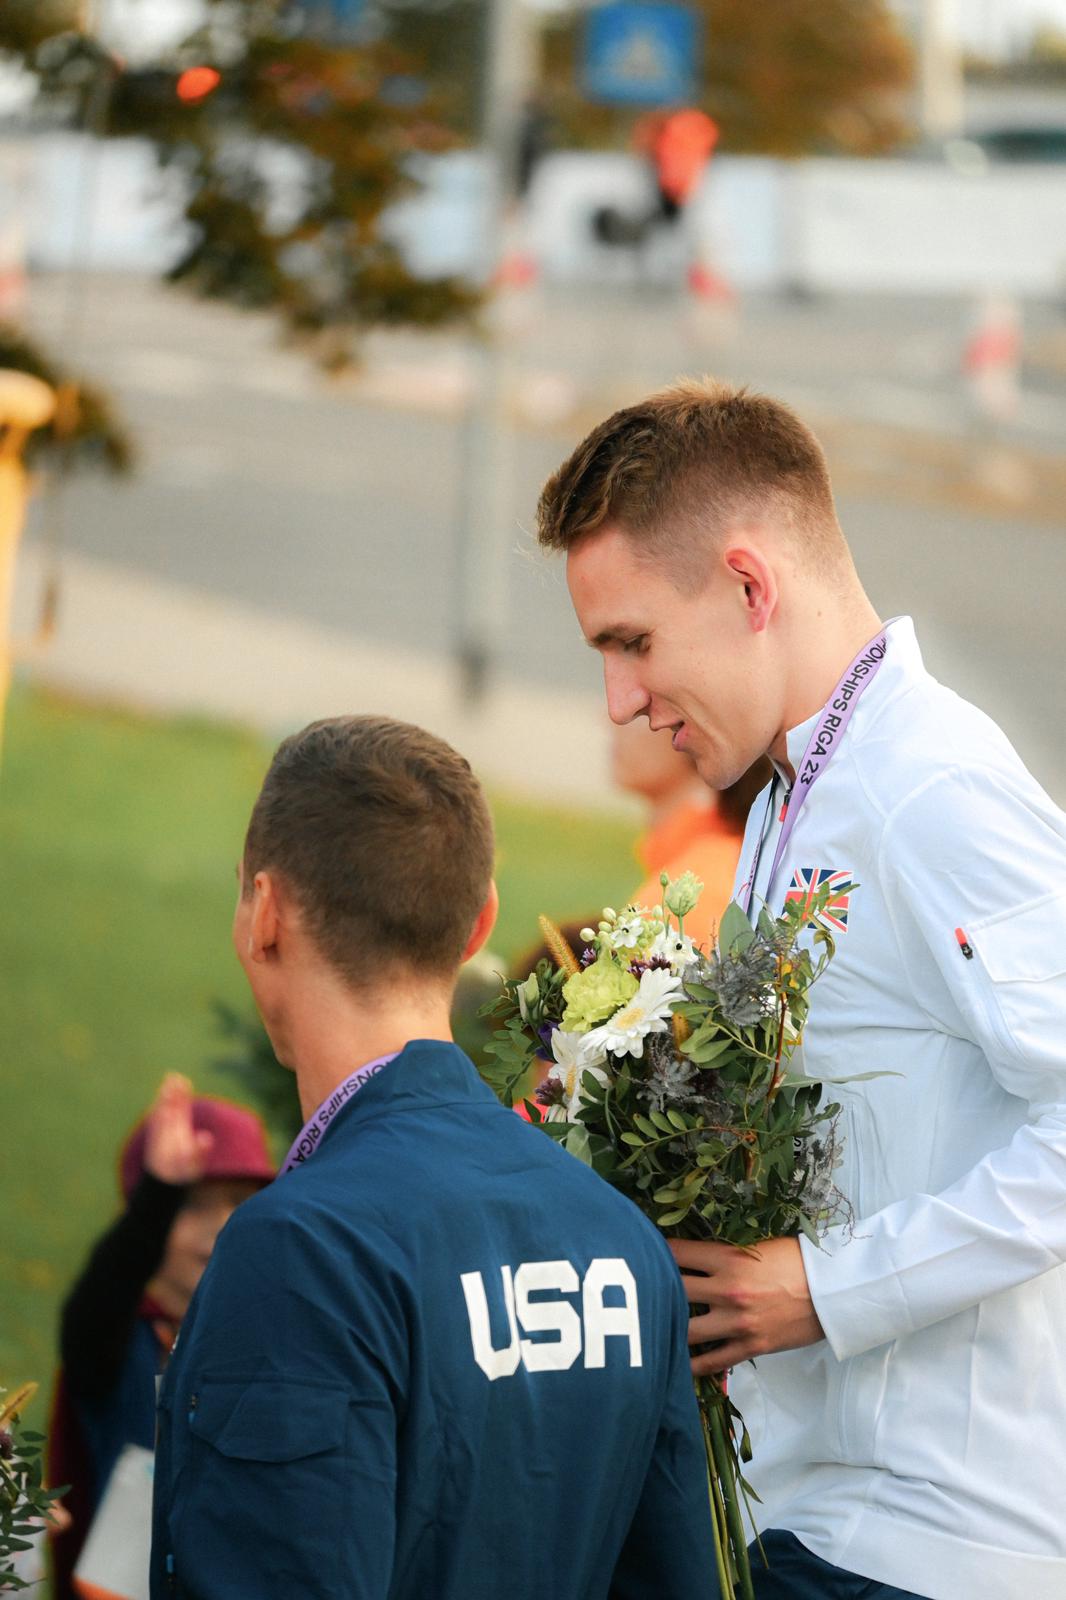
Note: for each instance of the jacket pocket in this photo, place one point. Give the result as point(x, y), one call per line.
point(1026, 945)
point(269, 1421)
point(267, 1489)
point(860, 1384)
point(1022, 954)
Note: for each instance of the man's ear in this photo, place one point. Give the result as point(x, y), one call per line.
point(265, 918)
point(486, 921)
point(756, 580)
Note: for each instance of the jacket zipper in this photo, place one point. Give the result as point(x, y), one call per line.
point(172, 1581)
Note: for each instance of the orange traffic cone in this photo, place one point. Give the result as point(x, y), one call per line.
point(991, 365)
point(991, 359)
point(515, 302)
point(711, 301)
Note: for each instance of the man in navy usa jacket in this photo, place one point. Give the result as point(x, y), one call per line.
point(438, 1357)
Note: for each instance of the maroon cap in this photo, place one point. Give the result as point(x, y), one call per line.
point(238, 1150)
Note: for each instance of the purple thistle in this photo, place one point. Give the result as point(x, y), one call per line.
point(588, 956)
point(550, 1092)
point(655, 964)
point(544, 1034)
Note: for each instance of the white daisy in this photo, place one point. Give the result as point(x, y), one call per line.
point(648, 1012)
point(574, 1056)
point(677, 948)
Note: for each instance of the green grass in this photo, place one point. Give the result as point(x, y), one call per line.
point(118, 838)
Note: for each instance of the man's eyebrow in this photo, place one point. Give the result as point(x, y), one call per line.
point(613, 635)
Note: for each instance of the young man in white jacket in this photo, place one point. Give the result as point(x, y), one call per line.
point(905, 1384)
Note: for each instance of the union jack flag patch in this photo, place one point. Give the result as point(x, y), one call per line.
point(805, 882)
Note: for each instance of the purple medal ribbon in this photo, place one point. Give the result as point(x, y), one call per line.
point(306, 1141)
point(821, 747)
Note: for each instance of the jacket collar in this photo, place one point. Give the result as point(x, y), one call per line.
point(426, 1072)
point(901, 666)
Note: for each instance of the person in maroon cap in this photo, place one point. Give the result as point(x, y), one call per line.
point(184, 1169)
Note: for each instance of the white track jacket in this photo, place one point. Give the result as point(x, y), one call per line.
point(923, 1442)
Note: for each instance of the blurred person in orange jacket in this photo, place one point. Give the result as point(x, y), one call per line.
point(690, 827)
point(679, 145)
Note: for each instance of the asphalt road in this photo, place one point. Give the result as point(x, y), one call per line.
point(342, 505)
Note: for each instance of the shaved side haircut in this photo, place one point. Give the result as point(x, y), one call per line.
point(676, 470)
point(382, 833)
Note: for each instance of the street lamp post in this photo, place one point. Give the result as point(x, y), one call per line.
point(483, 535)
point(940, 86)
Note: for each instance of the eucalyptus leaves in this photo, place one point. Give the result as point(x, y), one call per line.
point(24, 1502)
point(668, 1073)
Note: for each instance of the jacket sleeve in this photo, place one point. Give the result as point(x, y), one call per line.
point(967, 851)
point(98, 1315)
point(277, 1466)
point(669, 1550)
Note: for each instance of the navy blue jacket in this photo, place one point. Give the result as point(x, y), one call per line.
point(440, 1359)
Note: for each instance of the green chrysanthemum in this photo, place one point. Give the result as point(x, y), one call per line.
point(596, 994)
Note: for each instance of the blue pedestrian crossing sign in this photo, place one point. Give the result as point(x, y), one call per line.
point(332, 19)
point(638, 52)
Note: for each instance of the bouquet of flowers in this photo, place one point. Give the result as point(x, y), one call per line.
point(670, 1077)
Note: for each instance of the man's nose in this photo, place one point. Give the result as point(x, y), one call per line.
point(626, 696)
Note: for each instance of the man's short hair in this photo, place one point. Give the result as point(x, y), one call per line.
point(684, 464)
point(383, 835)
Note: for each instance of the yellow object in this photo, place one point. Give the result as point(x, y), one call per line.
point(561, 951)
point(9, 1409)
point(26, 403)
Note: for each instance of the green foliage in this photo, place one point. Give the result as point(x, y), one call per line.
point(526, 1008)
point(27, 24)
point(785, 78)
point(713, 1138)
point(24, 1501)
point(286, 166)
point(509, 1057)
point(447, 43)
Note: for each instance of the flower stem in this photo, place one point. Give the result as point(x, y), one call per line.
point(721, 1529)
point(781, 1020)
point(726, 1473)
